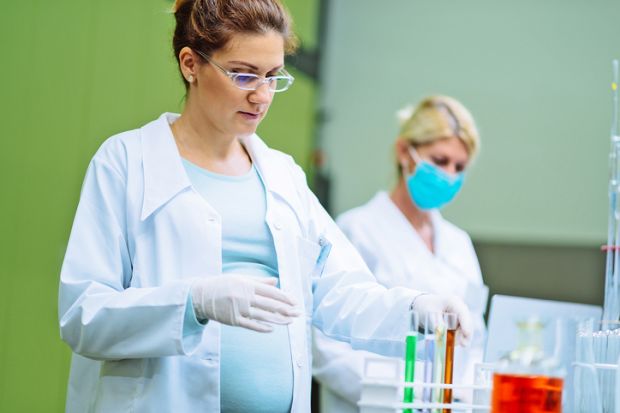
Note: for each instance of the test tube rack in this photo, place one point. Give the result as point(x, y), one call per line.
point(383, 386)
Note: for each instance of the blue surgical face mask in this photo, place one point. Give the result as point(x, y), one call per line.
point(429, 186)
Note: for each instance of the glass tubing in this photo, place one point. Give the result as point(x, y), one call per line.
point(611, 308)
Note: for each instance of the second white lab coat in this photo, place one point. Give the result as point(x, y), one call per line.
point(142, 235)
point(397, 256)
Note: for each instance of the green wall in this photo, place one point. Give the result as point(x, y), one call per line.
point(72, 74)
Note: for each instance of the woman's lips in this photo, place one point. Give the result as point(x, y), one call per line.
point(250, 115)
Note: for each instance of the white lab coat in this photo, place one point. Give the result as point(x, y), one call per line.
point(397, 256)
point(142, 234)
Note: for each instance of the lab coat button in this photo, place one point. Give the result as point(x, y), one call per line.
point(211, 219)
point(299, 361)
point(277, 225)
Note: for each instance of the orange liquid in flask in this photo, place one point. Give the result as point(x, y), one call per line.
point(514, 393)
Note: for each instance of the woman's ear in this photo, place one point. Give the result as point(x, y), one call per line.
point(188, 64)
point(403, 156)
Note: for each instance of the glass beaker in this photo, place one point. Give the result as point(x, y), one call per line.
point(483, 377)
point(526, 393)
point(526, 380)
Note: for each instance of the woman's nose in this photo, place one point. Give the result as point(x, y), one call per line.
point(261, 95)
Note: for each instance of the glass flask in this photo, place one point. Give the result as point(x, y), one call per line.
point(525, 380)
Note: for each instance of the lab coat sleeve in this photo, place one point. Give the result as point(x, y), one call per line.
point(101, 316)
point(338, 367)
point(349, 304)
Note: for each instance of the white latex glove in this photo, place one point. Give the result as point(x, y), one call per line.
point(242, 300)
point(434, 303)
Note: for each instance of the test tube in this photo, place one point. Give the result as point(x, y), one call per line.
point(429, 358)
point(411, 344)
point(450, 322)
point(440, 353)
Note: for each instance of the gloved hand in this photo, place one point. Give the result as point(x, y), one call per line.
point(436, 304)
point(241, 300)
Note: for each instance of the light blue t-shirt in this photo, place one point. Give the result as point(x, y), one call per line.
point(256, 371)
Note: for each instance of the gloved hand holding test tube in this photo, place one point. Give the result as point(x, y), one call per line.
point(440, 336)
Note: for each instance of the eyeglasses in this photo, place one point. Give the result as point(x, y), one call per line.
point(249, 81)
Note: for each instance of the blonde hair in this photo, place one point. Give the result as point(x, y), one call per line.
point(439, 117)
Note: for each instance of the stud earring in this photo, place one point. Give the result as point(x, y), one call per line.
point(190, 79)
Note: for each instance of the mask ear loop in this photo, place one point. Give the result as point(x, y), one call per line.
point(414, 154)
point(416, 158)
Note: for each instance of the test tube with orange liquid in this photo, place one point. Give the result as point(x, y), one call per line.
point(450, 321)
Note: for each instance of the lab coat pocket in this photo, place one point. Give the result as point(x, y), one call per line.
point(308, 254)
point(121, 378)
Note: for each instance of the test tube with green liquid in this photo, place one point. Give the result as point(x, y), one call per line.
point(411, 343)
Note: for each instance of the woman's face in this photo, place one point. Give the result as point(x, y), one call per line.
point(450, 154)
point(226, 108)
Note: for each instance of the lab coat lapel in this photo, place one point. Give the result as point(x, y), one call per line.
point(408, 237)
point(272, 170)
point(164, 175)
point(282, 204)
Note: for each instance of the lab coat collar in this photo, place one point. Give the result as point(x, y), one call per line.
point(165, 176)
point(383, 202)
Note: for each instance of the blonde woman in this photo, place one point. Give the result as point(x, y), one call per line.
point(407, 243)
